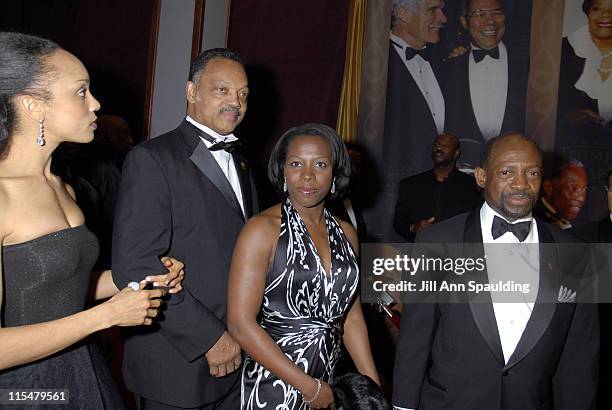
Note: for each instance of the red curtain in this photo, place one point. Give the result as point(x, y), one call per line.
point(294, 55)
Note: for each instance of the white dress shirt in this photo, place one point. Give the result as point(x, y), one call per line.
point(223, 158)
point(590, 81)
point(523, 266)
point(489, 91)
point(423, 75)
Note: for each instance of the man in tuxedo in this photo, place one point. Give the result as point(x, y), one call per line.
point(437, 194)
point(187, 193)
point(481, 354)
point(486, 96)
point(414, 113)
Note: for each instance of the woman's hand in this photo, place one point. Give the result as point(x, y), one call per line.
point(323, 400)
point(173, 280)
point(133, 308)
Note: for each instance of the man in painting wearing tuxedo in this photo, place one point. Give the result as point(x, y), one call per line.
point(414, 113)
point(483, 354)
point(486, 93)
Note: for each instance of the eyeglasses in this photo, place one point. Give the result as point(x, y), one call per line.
point(478, 14)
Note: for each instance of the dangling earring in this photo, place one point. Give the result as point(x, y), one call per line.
point(285, 185)
point(41, 132)
point(333, 188)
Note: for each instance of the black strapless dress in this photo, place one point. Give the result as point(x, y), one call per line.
point(48, 278)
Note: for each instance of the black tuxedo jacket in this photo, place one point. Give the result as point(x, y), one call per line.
point(409, 133)
point(175, 200)
point(449, 356)
point(595, 232)
point(460, 117)
point(410, 129)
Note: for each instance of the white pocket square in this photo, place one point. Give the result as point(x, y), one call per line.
point(566, 295)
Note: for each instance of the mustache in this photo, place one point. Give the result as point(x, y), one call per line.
point(527, 194)
point(233, 110)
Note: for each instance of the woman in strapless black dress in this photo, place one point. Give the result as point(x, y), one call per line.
point(293, 283)
point(47, 252)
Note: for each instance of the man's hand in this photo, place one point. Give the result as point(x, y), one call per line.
point(457, 52)
point(422, 224)
point(224, 357)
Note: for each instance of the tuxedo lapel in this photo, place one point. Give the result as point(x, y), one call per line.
point(514, 115)
point(476, 133)
point(206, 163)
point(545, 305)
point(481, 304)
point(411, 84)
point(245, 184)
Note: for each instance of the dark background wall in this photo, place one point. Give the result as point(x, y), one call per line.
point(112, 38)
point(294, 53)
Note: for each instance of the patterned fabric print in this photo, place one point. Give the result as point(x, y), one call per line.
point(303, 310)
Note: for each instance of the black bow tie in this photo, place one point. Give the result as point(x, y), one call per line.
point(519, 229)
point(226, 146)
point(479, 54)
point(423, 52)
point(221, 145)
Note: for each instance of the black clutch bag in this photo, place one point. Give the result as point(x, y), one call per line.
point(354, 391)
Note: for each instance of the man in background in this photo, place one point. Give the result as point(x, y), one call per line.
point(564, 193)
point(437, 194)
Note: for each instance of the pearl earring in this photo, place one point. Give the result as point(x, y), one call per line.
point(41, 132)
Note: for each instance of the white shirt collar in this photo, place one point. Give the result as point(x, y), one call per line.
point(500, 46)
point(548, 205)
point(211, 132)
point(486, 222)
point(582, 43)
point(400, 42)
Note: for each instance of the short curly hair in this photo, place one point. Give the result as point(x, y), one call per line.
point(341, 163)
point(199, 64)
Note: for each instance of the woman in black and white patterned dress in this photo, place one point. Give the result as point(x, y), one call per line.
point(294, 278)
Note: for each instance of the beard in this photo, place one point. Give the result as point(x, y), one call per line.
point(516, 211)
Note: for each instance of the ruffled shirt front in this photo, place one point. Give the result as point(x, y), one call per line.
point(590, 81)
